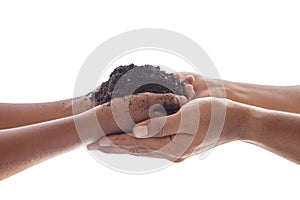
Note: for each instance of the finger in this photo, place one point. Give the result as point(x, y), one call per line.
point(133, 149)
point(149, 147)
point(186, 77)
point(158, 127)
point(93, 146)
point(122, 113)
point(190, 79)
point(128, 141)
point(148, 105)
point(169, 101)
point(125, 145)
point(179, 76)
point(184, 74)
point(190, 91)
point(138, 151)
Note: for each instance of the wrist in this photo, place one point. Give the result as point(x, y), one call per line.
point(88, 125)
point(247, 117)
point(83, 103)
point(231, 90)
point(238, 122)
point(236, 91)
point(252, 120)
point(232, 125)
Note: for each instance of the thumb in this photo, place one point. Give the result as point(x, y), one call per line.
point(157, 127)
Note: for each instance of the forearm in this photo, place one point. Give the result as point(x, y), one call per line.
point(23, 147)
point(282, 98)
point(278, 132)
point(15, 115)
point(26, 146)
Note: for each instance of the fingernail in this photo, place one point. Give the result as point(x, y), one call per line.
point(93, 146)
point(105, 142)
point(140, 131)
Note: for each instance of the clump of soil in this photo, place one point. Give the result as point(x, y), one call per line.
point(133, 79)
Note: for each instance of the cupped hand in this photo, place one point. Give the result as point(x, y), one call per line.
point(121, 114)
point(196, 127)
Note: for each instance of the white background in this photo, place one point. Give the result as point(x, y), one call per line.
point(42, 47)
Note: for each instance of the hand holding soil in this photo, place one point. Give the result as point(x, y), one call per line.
point(252, 115)
point(32, 133)
point(122, 113)
point(177, 136)
point(267, 116)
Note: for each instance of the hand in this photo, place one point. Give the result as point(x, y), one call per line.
point(198, 86)
point(121, 114)
point(180, 135)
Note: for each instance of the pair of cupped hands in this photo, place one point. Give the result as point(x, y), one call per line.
point(138, 124)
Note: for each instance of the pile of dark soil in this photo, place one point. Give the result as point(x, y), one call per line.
point(132, 79)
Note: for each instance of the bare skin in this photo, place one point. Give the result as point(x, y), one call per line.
point(263, 115)
point(15, 115)
point(252, 115)
point(281, 98)
point(23, 147)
